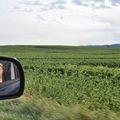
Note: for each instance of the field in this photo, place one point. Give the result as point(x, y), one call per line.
point(66, 83)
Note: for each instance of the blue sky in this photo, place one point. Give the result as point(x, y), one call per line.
point(59, 22)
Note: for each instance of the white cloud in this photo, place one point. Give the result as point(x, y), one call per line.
point(67, 22)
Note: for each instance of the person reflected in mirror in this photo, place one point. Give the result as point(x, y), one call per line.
point(9, 78)
point(1, 73)
point(8, 71)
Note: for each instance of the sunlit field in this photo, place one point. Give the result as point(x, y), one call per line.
point(66, 83)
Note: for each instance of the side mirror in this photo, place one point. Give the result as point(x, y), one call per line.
point(11, 78)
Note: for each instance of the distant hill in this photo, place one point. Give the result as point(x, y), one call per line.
point(112, 45)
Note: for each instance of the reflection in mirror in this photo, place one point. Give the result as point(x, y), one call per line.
point(9, 78)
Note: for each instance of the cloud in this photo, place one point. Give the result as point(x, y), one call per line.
point(78, 2)
point(30, 2)
point(45, 5)
point(72, 22)
point(58, 4)
point(67, 12)
point(102, 6)
point(23, 9)
point(41, 18)
point(96, 4)
point(115, 2)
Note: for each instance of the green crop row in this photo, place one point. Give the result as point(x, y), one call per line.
point(96, 87)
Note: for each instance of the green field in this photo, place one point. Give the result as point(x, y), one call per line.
point(66, 83)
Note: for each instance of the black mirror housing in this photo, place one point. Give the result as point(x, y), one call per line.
point(12, 78)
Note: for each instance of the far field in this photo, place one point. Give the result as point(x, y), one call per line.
point(66, 83)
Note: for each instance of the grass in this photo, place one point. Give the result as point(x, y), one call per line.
point(66, 83)
point(27, 108)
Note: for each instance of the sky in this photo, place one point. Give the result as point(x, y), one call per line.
point(59, 22)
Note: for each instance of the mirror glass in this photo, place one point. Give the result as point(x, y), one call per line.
point(9, 78)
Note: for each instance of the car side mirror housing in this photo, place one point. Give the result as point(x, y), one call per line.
point(11, 78)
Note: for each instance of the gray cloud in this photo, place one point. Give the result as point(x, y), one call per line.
point(41, 18)
point(61, 4)
point(78, 2)
point(30, 2)
point(57, 4)
point(97, 4)
point(115, 2)
point(103, 6)
point(23, 9)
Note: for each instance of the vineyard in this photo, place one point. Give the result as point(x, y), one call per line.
point(70, 83)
